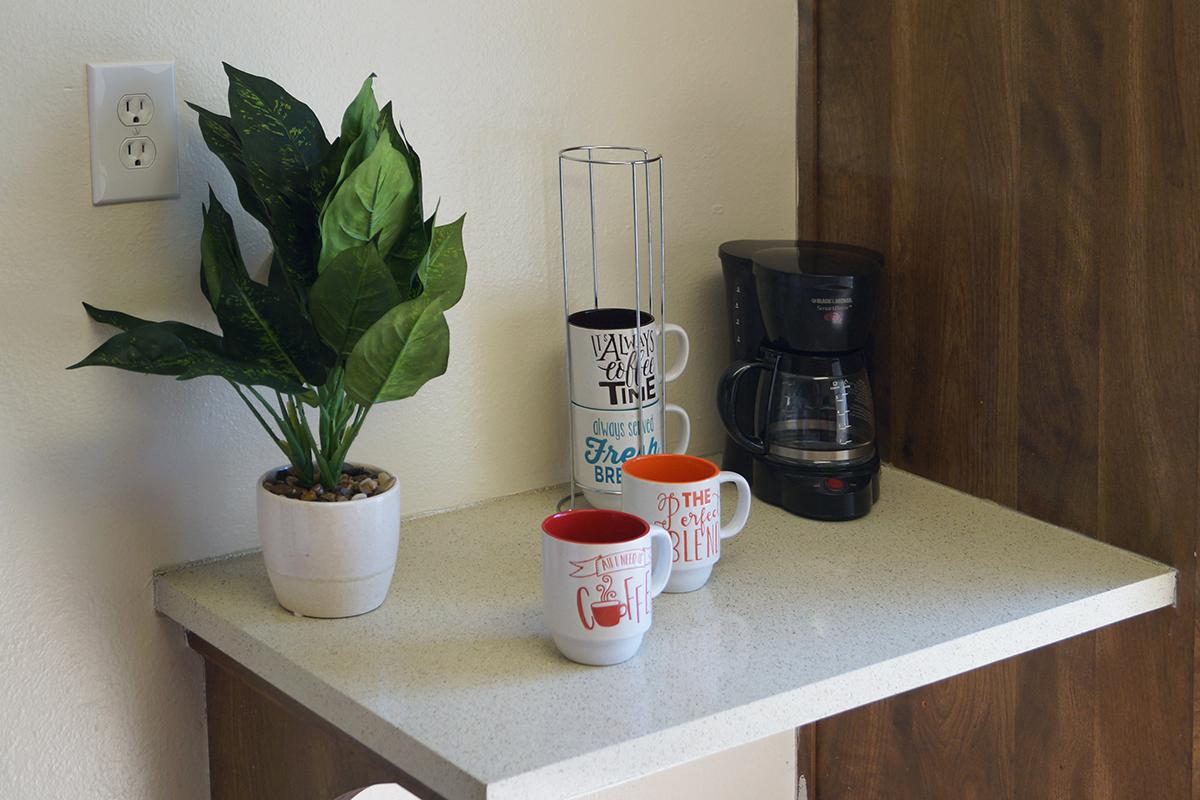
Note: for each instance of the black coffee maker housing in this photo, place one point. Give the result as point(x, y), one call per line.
point(746, 333)
point(796, 402)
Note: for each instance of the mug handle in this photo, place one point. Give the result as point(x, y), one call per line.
point(686, 422)
point(661, 556)
point(685, 348)
point(742, 512)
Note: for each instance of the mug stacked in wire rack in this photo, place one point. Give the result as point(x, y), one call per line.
point(617, 411)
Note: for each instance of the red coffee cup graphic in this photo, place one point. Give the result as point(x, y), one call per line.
point(608, 613)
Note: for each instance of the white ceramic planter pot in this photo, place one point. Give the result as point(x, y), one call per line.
point(329, 559)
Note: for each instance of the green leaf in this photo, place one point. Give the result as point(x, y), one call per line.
point(262, 324)
point(444, 272)
point(410, 253)
point(287, 232)
point(410, 249)
point(353, 292)
point(223, 141)
point(296, 238)
point(375, 203)
point(387, 122)
point(281, 137)
point(117, 319)
point(358, 151)
point(407, 347)
point(284, 149)
point(330, 167)
point(275, 274)
point(362, 112)
point(219, 251)
point(358, 118)
point(174, 348)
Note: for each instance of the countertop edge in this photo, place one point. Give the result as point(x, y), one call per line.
point(704, 736)
point(789, 710)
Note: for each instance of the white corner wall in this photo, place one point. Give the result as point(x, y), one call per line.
point(107, 475)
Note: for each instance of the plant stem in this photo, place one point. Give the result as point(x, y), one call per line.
point(290, 449)
point(360, 416)
point(323, 456)
point(300, 456)
point(270, 432)
point(323, 465)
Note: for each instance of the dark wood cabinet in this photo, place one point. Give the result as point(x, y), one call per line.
point(263, 744)
point(1031, 169)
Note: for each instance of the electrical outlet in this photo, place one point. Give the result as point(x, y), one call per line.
point(134, 131)
point(138, 152)
point(135, 109)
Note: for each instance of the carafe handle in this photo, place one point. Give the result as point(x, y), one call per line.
point(727, 391)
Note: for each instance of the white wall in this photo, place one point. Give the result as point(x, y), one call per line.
point(107, 475)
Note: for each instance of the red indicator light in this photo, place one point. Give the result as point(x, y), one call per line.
point(835, 484)
point(833, 316)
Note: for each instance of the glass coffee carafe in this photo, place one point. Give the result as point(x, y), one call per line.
point(810, 410)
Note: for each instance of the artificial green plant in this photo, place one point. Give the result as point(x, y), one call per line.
point(352, 311)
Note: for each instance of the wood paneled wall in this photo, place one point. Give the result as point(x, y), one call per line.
point(1031, 170)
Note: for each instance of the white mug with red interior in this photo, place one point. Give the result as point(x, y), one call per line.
point(600, 570)
point(682, 494)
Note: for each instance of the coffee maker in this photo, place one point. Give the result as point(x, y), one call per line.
point(796, 402)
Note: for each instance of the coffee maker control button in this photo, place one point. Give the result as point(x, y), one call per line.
point(835, 484)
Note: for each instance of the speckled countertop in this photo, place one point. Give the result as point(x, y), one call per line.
point(455, 680)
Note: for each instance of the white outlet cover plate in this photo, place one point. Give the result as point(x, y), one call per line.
point(112, 181)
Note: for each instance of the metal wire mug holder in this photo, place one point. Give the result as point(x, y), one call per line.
point(633, 159)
